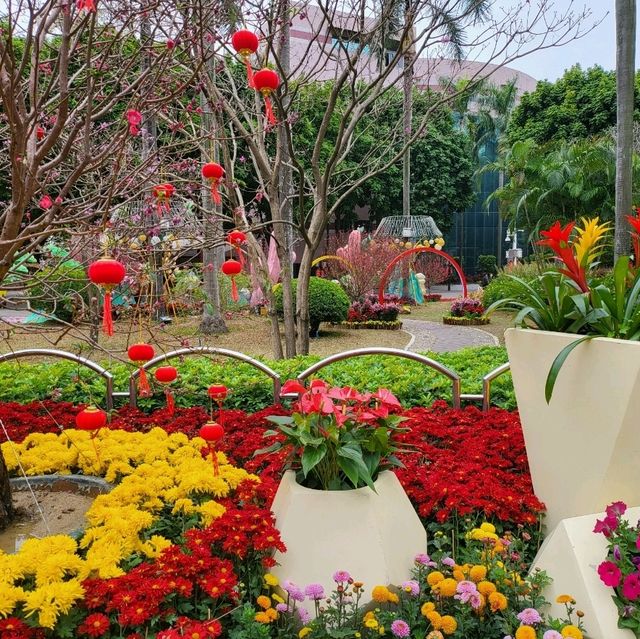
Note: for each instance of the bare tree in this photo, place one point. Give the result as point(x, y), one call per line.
point(338, 53)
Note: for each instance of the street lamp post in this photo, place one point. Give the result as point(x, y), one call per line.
point(514, 253)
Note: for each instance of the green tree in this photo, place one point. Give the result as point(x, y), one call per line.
point(582, 103)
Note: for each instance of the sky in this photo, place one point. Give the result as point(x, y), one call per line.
point(597, 47)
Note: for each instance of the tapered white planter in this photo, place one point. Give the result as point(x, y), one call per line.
point(374, 536)
point(570, 555)
point(584, 446)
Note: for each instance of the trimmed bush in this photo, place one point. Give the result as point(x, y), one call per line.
point(467, 307)
point(327, 301)
point(370, 309)
point(502, 287)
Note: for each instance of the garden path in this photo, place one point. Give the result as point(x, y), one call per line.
point(440, 338)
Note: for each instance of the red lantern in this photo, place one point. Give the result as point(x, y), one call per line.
point(40, 133)
point(212, 432)
point(108, 273)
point(163, 193)
point(267, 81)
point(217, 392)
point(213, 172)
point(237, 239)
point(165, 375)
point(91, 418)
point(139, 354)
point(89, 5)
point(246, 44)
point(232, 268)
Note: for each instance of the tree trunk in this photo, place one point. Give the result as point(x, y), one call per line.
point(303, 323)
point(6, 506)
point(407, 113)
point(625, 72)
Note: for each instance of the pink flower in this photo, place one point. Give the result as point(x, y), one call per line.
point(529, 617)
point(631, 586)
point(341, 576)
point(616, 509)
point(387, 398)
point(293, 386)
point(400, 628)
point(45, 202)
point(552, 634)
point(606, 526)
point(609, 574)
point(638, 542)
point(411, 587)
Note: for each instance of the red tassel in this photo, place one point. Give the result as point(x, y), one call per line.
point(144, 390)
point(214, 459)
point(234, 290)
point(247, 64)
point(240, 257)
point(268, 109)
point(215, 193)
point(95, 446)
point(107, 318)
point(171, 405)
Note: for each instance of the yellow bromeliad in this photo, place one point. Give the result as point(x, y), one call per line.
point(589, 243)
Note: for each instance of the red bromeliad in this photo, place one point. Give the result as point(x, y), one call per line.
point(557, 239)
point(634, 220)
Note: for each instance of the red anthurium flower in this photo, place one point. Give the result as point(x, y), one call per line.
point(345, 394)
point(316, 403)
point(557, 239)
point(293, 386)
point(387, 398)
point(318, 386)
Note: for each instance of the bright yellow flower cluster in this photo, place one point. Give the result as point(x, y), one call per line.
point(157, 471)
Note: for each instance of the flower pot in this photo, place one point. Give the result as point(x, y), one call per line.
point(583, 447)
point(373, 535)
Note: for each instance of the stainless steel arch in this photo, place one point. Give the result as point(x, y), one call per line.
point(359, 352)
point(51, 352)
point(486, 384)
point(205, 350)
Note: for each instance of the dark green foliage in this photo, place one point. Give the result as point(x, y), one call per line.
point(250, 390)
point(582, 103)
point(327, 301)
point(487, 264)
point(503, 286)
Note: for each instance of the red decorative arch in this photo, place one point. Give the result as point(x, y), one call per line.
point(420, 249)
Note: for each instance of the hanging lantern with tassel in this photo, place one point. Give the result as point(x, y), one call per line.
point(237, 239)
point(162, 193)
point(166, 375)
point(217, 393)
point(108, 273)
point(267, 81)
point(246, 44)
point(212, 433)
point(139, 354)
point(213, 172)
point(92, 419)
point(232, 268)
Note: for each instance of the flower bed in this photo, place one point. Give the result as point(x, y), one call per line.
point(374, 324)
point(465, 321)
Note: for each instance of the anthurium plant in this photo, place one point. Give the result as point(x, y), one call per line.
point(571, 299)
point(338, 438)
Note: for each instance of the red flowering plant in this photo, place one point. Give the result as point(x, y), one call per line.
point(338, 438)
point(621, 569)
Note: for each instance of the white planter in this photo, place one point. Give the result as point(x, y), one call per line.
point(583, 447)
point(374, 536)
point(570, 555)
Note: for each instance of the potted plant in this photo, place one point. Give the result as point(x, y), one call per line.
point(339, 498)
point(575, 362)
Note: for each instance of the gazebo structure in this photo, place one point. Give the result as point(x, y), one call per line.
point(415, 228)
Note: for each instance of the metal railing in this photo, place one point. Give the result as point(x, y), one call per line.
point(50, 352)
point(205, 350)
point(395, 352)
point(132, 395)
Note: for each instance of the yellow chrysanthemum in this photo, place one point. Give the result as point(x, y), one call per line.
point(435, 619)
point(526, 632)
point(487, 527)
point(572, 632)
point(304, 632)
point(380, 594)
point(427, 607)
point(264, 602)
point(565, 599)
point(486, 588)
point(446, 587)
point(434, 577)
point(477, 573)
point(449, 625)
point(497, 601)
point(271, 580)
point(371, 623)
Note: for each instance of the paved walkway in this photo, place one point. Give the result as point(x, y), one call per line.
point(433, 336)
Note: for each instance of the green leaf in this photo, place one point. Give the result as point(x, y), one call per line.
point(349, 468)
point(558, 363)
point(311, 457)
point(268, 449)
point(355, 455)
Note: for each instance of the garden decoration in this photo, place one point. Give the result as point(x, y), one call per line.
point(564, 401)
point(232, 268)
point(213, 172)
point(217, 393)
point(139, 354)
point(108, 273)
point(92, 419)
point(212, 432)
point(166, 375)
point(246, 44)
point(412, 251)
point(40, 132)
point(89, 5)
point(466, 311)
point(162, 194)
point(134, 118)
point(266, 81)
point(237, 239)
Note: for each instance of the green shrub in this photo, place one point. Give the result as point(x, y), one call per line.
point(327, 301)
point(487, 264)
point(502, 287)
point(62, 291)
point(250, 390)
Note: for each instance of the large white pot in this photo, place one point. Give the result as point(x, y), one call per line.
point(584, 446)
point(373, 535)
